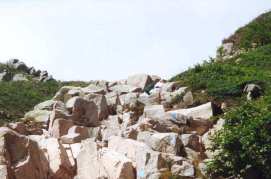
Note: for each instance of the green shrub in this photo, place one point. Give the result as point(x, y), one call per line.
point(220, 79)
point(16, 98)
point(244, 143)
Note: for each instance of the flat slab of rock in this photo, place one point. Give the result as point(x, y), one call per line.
point(204, 111)
point(154, 112)
point(163, 142)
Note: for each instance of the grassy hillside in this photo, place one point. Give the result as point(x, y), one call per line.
point(19, 97)
point(16, 98)
point(258, 31)
point(244, 144)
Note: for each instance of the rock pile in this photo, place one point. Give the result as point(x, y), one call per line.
point(117, 130)
point(16, 70)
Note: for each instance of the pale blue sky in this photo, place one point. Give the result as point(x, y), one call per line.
point(110, 39)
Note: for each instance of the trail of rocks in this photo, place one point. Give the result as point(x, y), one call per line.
point(116, 130)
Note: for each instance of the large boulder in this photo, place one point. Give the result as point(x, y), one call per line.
point(127, 99)
point(19, 77)
point(58, 160)
point(95, 89)
point(140, 80)
point(19, 127)
point(147, 162)
point(63, 94)
point(253, 91)
point(150, 99)
point(95, 163)
point(75, 135)
point(60, 127)
point(167, 86)
point(41, 116)
point(117, 165)
point(5, 76)
point(20, 155)
point(83, 112)
point(56, 156)
point(111, 127)
point(227, 49)
point(124, 89)
point(100, 101)
point(198, 125)
point(154, 112)
point(184, 170)
point(163, 142)
point(192, 141)
point(46, 105)
point(203, 111)
point(113, 101)
point(180, 167)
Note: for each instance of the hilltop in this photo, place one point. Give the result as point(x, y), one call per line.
point(22, 87)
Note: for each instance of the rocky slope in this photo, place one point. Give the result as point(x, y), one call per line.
point(212, 121)
point(112, 130)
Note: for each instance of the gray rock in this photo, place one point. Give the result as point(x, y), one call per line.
point(46, 105)
point(154, 112)
point(140, 80)
point(113, 101)
point(253, 91)
point(163, 142)
point(124, 89)
point(83, 112)
point(41, 116)
point(23, 156)
point(146, 161)
point(104, 163)
point(100, 101)
point(5, 76)
point(203, 111)
point(184, 170)
point(19, 77)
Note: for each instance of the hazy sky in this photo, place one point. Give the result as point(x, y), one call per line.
point(110, 39)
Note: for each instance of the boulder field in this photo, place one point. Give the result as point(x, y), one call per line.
point(128, 129)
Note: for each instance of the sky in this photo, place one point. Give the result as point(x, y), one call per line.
point(112, 39)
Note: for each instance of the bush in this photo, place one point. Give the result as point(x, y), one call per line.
point(16, 98)
point(244, 143)
point(220, 79)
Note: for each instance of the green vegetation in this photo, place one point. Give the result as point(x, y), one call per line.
point(17, 98)
point(258, 32)
point(244, 145)
point(245, 142)
point(227, 79)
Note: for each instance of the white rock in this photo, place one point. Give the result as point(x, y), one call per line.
point(139, 80)
point(184, 170)
point(38, 116)
point(204, 111)
point(163, 142)
point(154, 112)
